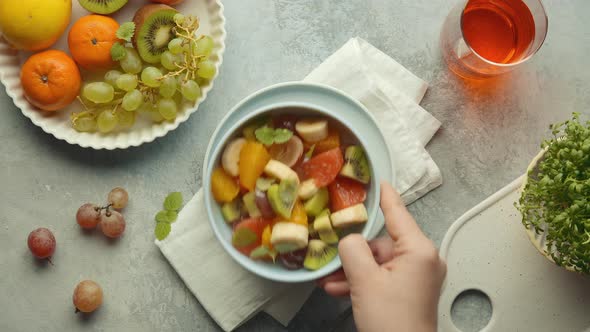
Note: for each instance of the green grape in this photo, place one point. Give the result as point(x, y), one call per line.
point(127, 82)
point(156, 116)
point(190, 90)
point(131, 63)
point(168, 60)
point(175, 45)
point(107, 121)
point(206, 69)
point(126, 119)
point(150, 76)
point(204, 46)
point(132, 100)
point(98, 92)
point(168, 87)
point(167, 108)
point(178, 18)
point(84, 124)
point(111, 77)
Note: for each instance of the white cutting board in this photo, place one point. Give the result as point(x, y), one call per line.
point(487, 249)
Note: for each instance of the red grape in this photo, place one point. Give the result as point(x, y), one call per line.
point(264, 205)
point(112, 223)
point(88, 215)
point(118, 197)
point(293, 260)
point(41, 243)
point(87, 296)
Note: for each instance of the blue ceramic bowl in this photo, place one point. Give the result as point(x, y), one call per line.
point(301, 99)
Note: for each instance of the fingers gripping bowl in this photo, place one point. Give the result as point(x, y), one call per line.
point(272, 132)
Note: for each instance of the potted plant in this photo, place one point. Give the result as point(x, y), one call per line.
point(555, 198)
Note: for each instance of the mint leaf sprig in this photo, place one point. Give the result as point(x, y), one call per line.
point(556, 198)
point(167, 216)
point(269, 136)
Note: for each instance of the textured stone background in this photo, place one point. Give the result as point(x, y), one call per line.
point(487, 139)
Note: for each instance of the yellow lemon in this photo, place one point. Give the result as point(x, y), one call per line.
point(34, 24)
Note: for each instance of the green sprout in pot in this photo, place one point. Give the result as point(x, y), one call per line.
point(556, 198)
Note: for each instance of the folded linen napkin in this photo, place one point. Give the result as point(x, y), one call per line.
point(232, 295)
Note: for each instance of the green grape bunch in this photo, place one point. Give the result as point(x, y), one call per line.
point(155, 90)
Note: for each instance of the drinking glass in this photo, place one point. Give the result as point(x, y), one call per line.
point(484, 38)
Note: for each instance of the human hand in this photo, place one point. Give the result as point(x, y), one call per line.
point(394, 281)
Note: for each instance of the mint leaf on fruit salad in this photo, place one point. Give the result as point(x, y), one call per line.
point(166, 217)
point(556, 197)
point(269, 136)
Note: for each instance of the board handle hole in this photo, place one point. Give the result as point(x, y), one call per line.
point(471, 310)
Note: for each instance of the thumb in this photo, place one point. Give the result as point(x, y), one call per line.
point(357, 258)
point(398, 220)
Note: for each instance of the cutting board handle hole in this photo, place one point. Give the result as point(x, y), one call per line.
point(471, 310)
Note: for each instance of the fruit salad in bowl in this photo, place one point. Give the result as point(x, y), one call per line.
point(288, 183)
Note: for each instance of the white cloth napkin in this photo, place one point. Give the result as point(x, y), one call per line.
point(232, 295)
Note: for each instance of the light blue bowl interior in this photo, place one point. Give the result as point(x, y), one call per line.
point(301, 99)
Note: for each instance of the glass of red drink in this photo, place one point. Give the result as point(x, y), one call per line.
point(484, 38)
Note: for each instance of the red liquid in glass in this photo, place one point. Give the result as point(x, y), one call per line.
point(500, 31)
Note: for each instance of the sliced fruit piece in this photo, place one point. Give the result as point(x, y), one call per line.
point(248, 133)
point(287, 153)
point(293, 260)
point(307, 189)
point(266, 234)
point(104, 7)
point(312, 130)
point(356, 214)
point(154, 25)
point(264, 205)
point(299, 216)
point(345, 192)
point(263, 184)
point(249, 234)
point(249, 200)
point(231, 156)
point(282, 197)
point(318, 255)
point(253, 159)
point(323, 225)
point(288, 236)
point(231, 211)
point(329, 143)
point(317, 203)
point(280, 171)
point(324, 167)
point(223, 186)
point(286, 121)
point(264, 253)
point(356, 166)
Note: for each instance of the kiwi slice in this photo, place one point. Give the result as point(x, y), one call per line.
point(104, 7)
point(249, 200)
point(154, 29)
point(319, 253)
point(282, 197)
point(356, 165)
point(317, 203)
point(231, 211)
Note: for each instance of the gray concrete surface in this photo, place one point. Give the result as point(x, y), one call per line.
point(488, 136)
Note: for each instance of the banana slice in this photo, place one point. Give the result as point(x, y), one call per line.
point(324, 228)
point(307, 189)
point(280, 171)
point(231, 156)
point(356, 214)
point(312, 131)
point(288, 236)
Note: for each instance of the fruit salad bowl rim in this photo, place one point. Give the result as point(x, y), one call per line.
point(215, 149)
